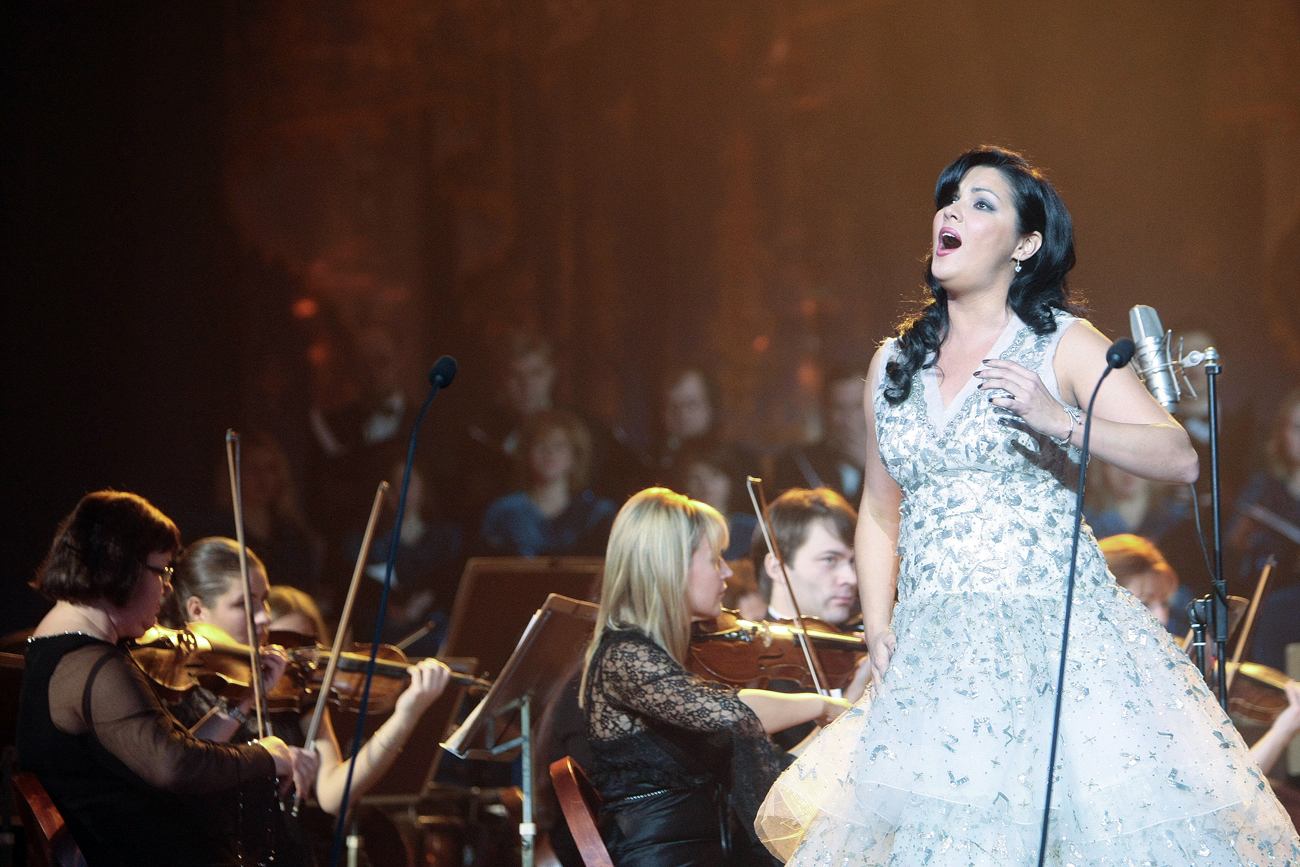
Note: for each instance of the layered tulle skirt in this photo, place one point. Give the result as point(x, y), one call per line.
point(944, 763)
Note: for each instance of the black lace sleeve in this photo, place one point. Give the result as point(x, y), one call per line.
point(633, 680)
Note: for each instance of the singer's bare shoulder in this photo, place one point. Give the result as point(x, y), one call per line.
point(1146, 441)
point(1080, 357)
point(1081, 360)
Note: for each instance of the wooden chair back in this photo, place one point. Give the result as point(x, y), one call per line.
point(581, 805)
point(49, 842)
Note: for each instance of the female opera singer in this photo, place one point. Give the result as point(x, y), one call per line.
point(967, 513)
point(134, 787)
point(681, 763)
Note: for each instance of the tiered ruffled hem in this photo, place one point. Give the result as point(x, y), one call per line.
point(945, 764)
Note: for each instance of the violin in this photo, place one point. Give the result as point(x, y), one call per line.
point(750, 655)
point(206, 656)
point(307, 661)
point(1255, 698)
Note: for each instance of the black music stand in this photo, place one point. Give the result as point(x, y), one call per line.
point(501, 726)
point(498, 595)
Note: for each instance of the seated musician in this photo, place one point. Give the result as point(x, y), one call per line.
point(1139, 567)
point(680, 762)
point(813, 529)
point(132, 784)
point(292, 610)
point(209, 589)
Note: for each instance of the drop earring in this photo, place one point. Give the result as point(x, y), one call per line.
point(1017, 266)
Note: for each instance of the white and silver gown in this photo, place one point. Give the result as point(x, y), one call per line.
point(944, 763)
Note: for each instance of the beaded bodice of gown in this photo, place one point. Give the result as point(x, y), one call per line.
point(988, 502)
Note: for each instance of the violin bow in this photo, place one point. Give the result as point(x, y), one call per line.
point(254, 654)
point(809, 654)
point(318, 713)
point(1244, 635)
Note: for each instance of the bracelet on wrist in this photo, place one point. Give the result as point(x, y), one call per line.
point(1076, 418)
point(232, 711)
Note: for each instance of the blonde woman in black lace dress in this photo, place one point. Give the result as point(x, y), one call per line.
point(681, 763)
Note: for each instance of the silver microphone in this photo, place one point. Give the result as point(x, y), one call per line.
point(1153, 363)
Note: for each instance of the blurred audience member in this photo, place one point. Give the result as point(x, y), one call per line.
point(359, 420)
point(1267, 521)
point(836, 460)
point(425, 571)
point(709, 474)
point(555, 512)
point(273, 522)
point(690, 418)
point(1140, 568)
point(742, 594)
point(525, 386)
point(1120, 502)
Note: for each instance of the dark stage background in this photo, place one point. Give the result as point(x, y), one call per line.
point(199, 196)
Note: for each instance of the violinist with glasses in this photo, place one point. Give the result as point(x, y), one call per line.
point(209, 590)
point(134, 786)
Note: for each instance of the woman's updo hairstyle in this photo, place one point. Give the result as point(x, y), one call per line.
point(100, 549)
point(1037, 291)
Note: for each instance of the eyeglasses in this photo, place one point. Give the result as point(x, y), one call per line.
point(165, 573)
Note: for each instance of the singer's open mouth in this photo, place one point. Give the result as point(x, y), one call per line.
point(948, 239)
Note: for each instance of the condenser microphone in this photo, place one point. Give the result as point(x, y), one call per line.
point(1154, 366)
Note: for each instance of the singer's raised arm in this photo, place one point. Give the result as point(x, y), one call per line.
point(1129, 429)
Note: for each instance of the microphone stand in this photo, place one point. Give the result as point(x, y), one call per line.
point(1212, 610)
point(444, 371)
point(1219, 607)
point(1119, 354)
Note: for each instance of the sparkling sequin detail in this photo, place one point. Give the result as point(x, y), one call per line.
point(944, 763)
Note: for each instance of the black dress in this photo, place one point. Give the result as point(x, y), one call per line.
point(133, 785)
point(681, 763)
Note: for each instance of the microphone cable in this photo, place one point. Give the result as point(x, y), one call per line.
point(443, 372)
point(1119, 354)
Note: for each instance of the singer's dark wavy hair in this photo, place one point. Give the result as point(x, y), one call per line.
point(1036, 292)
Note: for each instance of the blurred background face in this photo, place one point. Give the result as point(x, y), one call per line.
point(1155, 591)
point(846, 422)
point(380, 363)
point(1291, 437)
point(261, 480)
point(687, 413)
point(294, 621)
point(708, 484)
point(551, 458)
point(1122, 485)
point(528, 383)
